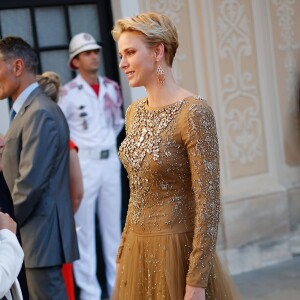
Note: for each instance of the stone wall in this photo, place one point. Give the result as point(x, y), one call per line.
point(243, 56)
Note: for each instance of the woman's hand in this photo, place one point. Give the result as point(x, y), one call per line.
point(194, 293)
point(76, 183)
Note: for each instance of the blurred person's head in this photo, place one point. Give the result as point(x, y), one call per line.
point(84, 53)
point(50, 83)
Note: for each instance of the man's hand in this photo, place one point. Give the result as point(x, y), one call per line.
point(6, 222)
point(194, 293)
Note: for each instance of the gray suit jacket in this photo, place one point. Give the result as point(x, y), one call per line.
point(36, 169)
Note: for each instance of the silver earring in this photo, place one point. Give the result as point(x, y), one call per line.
point(160, 73)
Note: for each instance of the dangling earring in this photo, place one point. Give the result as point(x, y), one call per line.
point(160, 73)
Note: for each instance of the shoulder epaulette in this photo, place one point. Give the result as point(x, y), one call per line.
point(110, 81)
point(71, 85)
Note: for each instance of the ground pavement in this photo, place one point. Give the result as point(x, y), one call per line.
point(277, 282)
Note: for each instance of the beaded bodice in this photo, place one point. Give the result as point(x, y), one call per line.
point(171, 156)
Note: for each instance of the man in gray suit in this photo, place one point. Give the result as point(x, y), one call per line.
point(36, 169)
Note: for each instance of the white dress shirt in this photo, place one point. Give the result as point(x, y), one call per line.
point(18, 103)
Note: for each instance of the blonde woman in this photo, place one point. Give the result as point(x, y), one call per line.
point(168, 248)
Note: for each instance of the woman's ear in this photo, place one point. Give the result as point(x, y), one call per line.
point(159, 51)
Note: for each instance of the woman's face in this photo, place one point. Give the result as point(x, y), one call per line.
point(137, 61)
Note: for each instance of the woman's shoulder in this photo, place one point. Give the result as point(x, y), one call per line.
point(133, 106)
point(136, 103)
point(195, 110)
point(196, 103)
point(195, 100)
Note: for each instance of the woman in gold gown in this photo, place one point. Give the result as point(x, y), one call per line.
point(168, 247)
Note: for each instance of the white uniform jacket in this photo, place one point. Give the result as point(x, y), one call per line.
point(94, 121)
point(11, 258)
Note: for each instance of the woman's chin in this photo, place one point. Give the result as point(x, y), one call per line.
point(134, 84)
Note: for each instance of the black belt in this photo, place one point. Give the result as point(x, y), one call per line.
point(104, 154)
point(94, 154)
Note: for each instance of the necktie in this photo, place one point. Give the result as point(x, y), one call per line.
point(12, 114)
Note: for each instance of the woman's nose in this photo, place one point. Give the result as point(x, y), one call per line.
point(123, 63)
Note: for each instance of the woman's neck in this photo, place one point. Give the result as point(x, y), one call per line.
point(169, 93)
point(162, 94)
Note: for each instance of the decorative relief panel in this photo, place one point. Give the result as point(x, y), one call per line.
point(285, 21)
point(177, 10)
point(240, 95)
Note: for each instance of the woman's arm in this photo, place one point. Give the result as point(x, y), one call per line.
point(76, 184)
point(200, 138)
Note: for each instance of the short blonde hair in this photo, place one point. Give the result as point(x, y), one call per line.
point(50, 83)
point(155, 29)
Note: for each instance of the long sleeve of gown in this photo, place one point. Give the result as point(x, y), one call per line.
point(200, 137)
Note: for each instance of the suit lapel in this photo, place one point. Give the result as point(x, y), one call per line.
point(14, 124)
point(37, 91)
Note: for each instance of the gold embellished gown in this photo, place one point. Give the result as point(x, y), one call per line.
point(169, 239)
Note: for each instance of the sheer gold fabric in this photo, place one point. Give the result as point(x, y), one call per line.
point(169, 240)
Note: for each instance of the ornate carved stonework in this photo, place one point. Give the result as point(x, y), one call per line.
point(285, 12)
point(240, 100)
